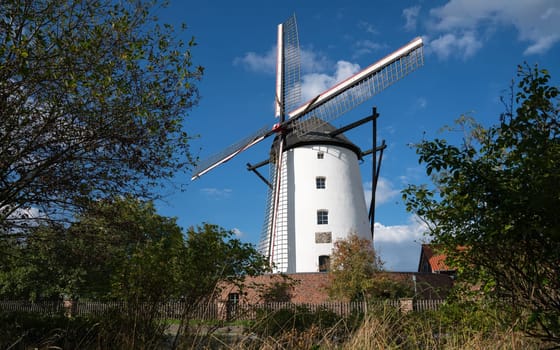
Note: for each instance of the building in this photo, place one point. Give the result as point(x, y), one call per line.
point(320, 199)
point(432, 260)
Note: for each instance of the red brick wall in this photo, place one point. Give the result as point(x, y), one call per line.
point(313, 287)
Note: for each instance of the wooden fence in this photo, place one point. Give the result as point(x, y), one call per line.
point(207, 311)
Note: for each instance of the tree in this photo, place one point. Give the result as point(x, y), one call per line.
point(354, 263)
point(122, 249)
point(92, 98)
point(497, 196)
point(118, 248)
point(212, 256)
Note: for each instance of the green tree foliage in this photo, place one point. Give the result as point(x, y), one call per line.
point(354, 263)
point(212, 255)
point(122, 249)
point(497, 196)
point(116, 249)
point(93, 94)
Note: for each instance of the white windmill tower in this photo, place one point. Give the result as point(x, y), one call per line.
point(315, 187)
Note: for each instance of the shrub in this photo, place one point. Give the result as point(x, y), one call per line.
point(22, 330)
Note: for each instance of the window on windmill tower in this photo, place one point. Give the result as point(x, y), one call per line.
point(320, 155)
point(324, 263)
point(322, 217)
point(320, 182)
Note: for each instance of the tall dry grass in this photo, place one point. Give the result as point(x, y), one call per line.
point(393, 331)
point(387, 328)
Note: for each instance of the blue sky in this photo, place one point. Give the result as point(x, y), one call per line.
point(472, 49)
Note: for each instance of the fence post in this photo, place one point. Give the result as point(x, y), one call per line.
point(406, 305)
point(68, 305)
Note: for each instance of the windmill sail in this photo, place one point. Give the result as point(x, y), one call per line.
point(360, 87)
point(328, 105)
point(288, 95)
point(230, 152)
point(288, 81)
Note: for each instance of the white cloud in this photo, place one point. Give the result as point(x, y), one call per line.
point(314, 67)
point(399, 245)
point(420, 103)
point(411, 15)
point(22, 217)
point(542, 45)
point(237, 232)
point(463, 45)
point(367, 46)
point(258, 63)
point(345, 69)
point(216, 192)
point(384, 193)
point(315, 83)
point(367, 27)
point(312, 61)
point(537, 22)
point(412, 231)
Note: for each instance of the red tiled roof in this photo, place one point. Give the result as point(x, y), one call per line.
point(437, 262)
point(434, 258)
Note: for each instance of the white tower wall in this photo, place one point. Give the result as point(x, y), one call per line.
point(293, 238)
point(342, 197)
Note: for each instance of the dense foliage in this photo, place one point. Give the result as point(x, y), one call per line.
point(93, 94)
point(356, 273)
point(495, 203)
point(353, 265)
point(122, 250)
point(116, 249)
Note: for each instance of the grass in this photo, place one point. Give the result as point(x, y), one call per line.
point(453, 327)
point(387, 328)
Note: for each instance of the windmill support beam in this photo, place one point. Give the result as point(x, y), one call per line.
point(375, 178)
point(377, 149)
point(254, 169)
point(353, 125)
point(374, 173)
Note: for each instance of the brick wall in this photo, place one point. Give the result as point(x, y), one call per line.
point(313, 287)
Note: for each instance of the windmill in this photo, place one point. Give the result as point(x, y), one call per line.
point(314, 170)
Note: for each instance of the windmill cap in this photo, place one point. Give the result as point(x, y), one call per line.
point(319, 136)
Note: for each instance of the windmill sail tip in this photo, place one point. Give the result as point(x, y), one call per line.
point(217, 159)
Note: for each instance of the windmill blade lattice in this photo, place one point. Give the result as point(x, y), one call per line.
point(358, 88)
point(219, 158)
point(291, 63)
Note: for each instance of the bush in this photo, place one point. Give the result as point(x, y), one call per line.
point(114, 330)
point(22, 330)
point(299, 327)
point(300, 319)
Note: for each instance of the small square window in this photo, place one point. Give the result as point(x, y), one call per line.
point(322, 217)
point(320, 155)
point(233, 298)
point(320, 182)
